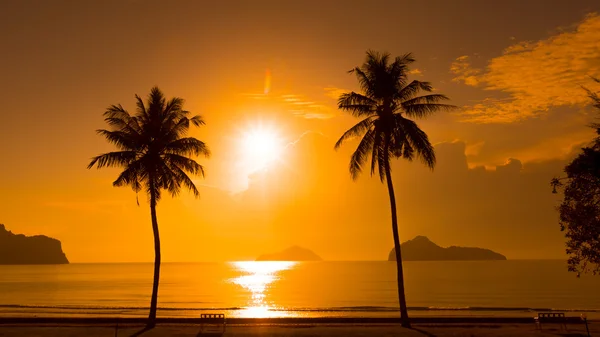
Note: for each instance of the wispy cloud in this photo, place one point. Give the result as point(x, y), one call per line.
point(334, 93)
point(535, 75)
point(298, 105)
point(461, 67)
point(416, 71)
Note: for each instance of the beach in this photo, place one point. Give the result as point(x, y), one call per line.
point(418, 330)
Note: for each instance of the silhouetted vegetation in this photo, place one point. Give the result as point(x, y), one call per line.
point(385, 106)
point(153, 150)
point(580, 207)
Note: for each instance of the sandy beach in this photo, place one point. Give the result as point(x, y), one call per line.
point(350, 330)
point(301, 330)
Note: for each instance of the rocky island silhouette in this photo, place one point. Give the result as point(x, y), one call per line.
point(422, 249)
point(37, 249)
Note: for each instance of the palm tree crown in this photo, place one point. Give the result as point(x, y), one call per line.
point(387, 101)
point(153, 145)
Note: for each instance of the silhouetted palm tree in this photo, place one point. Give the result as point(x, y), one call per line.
point(153, 150)
point(387, 101)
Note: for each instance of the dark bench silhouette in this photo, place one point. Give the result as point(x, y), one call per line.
point(212, 324)
point(551, 317)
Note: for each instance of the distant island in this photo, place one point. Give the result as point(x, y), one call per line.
point(21, 249)
point(422, 249)
point(294, 253)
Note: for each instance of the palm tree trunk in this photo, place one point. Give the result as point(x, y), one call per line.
point(154, 299)
point(401, 297)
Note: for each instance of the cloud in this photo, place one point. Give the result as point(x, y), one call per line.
point(535, 76)
point(512, 166)
point(461, 67)
point(297, 105)
point(416, 71)
point(335, 93)
point(474, 149)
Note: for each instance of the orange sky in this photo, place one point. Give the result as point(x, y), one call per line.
point(514, 68)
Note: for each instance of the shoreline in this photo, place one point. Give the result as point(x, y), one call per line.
point(32, 321)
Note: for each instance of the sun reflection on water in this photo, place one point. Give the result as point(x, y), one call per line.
point(258, 278)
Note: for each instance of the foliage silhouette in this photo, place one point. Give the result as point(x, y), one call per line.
point(385, 106)
point(579, 211)
point(153, 150)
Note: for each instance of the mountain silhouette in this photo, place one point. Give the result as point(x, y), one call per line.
point(293, 253)
point(422, 249)
point(21, 249)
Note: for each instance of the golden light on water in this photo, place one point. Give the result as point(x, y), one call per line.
point(257, 279)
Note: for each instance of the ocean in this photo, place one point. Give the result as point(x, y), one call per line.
point(298, 289)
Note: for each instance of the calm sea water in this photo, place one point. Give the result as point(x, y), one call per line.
point(279, 289)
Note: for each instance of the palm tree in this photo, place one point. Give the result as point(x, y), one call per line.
point(387, 101)
point(153, 151)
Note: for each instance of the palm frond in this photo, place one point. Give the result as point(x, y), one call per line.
point(355, 131)
point(408, 152)
point(417, 139)
point(353, 98)
point(186, 181)
point(376, 61)
point(360, 154)
point(116, 111)
point(401, 61)
point(156, 104)
point(188, 146)
point(197, 120)
point(358, 105)
point(187, 164)
point(412, 89)
point(383, 159)
point(117, 122)
point(142, 112)
point(377, 148)
point(364, 81)
point(132, 176)
point(425, 99)
point(168, 179)
point(121, 139)
point(399, 68)
point(176, 128)
point(425, 109)
point(154, 185)
point(175, 106)
point(112, 159)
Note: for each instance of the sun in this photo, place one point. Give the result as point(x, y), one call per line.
point(261, 147)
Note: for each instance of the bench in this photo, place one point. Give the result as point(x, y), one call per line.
point(550, 317)
point(212, 324)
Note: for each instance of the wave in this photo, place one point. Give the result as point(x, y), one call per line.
point(295, 309)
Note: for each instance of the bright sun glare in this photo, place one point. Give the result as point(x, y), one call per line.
point(261, 147)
